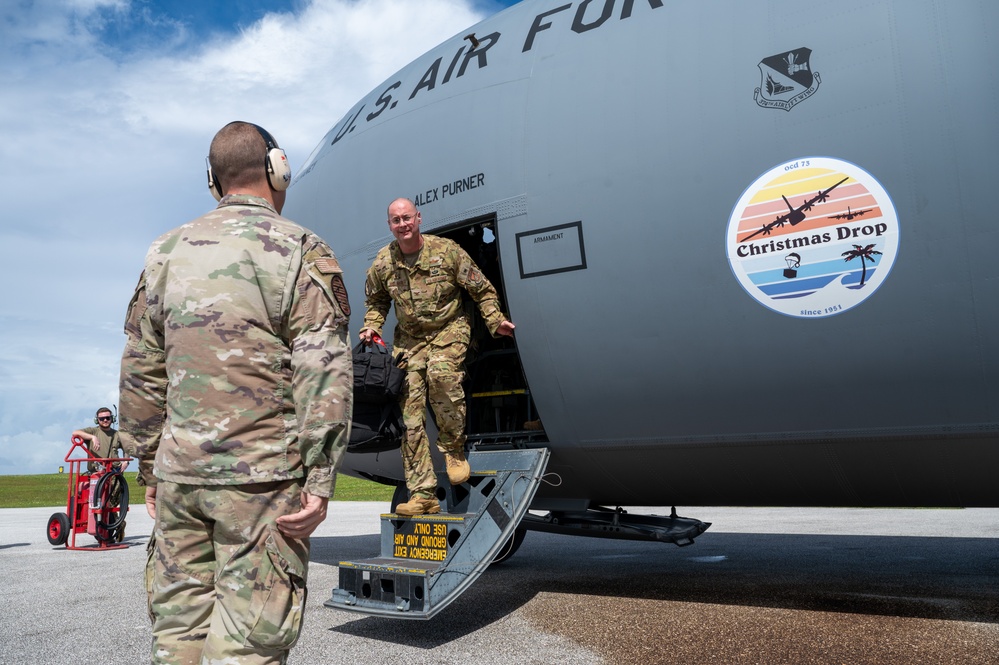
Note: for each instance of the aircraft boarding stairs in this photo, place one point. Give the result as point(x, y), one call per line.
point(427, 561)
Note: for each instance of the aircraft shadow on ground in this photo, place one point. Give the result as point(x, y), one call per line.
point(950, 579)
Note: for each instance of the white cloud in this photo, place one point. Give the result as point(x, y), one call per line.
point(104, 150)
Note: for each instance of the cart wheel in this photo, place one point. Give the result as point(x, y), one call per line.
point(58, 530)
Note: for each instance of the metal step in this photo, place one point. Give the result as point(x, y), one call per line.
point(429, 560)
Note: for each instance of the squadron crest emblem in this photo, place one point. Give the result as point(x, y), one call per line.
point(786, 79)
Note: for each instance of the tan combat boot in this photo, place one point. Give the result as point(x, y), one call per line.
point(419, 506)
point(458, 470)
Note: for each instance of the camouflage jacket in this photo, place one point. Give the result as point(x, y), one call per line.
point(427, 296)
point(237, 367)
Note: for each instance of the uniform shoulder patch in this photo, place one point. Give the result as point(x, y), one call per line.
point(340, 292)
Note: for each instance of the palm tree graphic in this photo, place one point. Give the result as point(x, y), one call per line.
point(865, 254)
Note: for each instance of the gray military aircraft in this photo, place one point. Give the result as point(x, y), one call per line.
point(603, 162)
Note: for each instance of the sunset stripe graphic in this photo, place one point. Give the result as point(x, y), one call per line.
point(791, 236)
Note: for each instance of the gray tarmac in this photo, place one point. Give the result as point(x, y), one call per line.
point(763, 585)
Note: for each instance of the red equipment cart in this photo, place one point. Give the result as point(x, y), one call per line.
point(96, 502)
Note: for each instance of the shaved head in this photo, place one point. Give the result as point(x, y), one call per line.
point(238, 156)
point(404, 223)
point(408, 205)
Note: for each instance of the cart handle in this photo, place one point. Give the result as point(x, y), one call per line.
point(78, 442)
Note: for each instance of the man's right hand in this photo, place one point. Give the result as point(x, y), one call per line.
point(366, 335)
point(305, 521)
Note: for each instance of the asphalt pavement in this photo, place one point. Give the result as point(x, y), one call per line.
point(762, 585)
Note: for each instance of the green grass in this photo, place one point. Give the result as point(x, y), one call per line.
point(50, 490)
point(349, 488)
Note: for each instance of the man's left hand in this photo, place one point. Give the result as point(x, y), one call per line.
point(151, 502)
point(506, 328)
point(305, 521)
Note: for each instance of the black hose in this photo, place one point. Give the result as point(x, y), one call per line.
point(122, 492)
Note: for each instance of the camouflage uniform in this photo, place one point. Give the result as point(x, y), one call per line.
point(235, 396)
point(433, 334)
point(107, 444)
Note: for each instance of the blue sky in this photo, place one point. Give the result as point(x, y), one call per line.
point(106, 111)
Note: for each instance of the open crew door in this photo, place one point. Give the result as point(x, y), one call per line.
point(500, 407)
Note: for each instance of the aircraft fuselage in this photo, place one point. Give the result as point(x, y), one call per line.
point(623, 154)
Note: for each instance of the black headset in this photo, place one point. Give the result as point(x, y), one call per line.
point(114, 419)
point(275, 163)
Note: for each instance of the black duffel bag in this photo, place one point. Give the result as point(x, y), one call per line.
point(377, 376)
point(376, 427)
point(378, 382)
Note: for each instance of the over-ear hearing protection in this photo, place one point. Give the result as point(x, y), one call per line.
point(275, 163)
point(102, 410)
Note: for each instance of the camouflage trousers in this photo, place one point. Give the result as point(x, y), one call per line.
point(440, 379)
point(223, 584)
